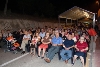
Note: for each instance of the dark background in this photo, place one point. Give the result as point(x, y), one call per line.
point(46, 8)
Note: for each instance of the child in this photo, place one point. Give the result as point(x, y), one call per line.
point(33, 44)
point(10, 38)
point(15, 45)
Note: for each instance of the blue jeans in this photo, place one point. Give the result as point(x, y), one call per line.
point(66, 54)
point(52, 51)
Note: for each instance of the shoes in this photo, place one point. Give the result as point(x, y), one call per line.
point(72, 64)
point(38, 56)
point(30, 52)
point(42, 57)
point(93, 50)
point(19, 50)
point(23, 52)
point(47, 60)
point(66, 61)
point(33, 54)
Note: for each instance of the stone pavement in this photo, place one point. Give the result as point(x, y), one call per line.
point(32, 61)
point(96, 55)
point(18, 60)
point(29, 61)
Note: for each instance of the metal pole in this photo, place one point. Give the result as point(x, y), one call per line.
point(71, 21)
point(94, 20)
point(66, 22)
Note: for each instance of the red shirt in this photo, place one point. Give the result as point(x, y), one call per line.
point(81, 46)
point(92, 32)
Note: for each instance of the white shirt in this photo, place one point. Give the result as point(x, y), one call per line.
point(27, 36)
point(42, 34)
point(74, 38)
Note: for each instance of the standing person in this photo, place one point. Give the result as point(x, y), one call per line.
point(93, 35)
point(56, 44)
point(68, 45)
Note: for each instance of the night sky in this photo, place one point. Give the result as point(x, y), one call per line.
point(46, 8)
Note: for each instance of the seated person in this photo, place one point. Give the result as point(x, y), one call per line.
point(68, 45)
point(33, 44)
point(10, 38)
point(15, 45)
point(81, 48)
point(10, 41)
point(25, 40)
point(74, 37)
point(38, 42)
point(86, 36)
point(56, 44)
point(45, 41)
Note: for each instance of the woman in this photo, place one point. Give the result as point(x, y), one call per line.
point(74, 37)
point(81, 49)
point(62, 32)
point(45, 41)
point(38, 37)
point(86, 37)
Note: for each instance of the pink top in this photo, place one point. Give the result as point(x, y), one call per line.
point(34, 41)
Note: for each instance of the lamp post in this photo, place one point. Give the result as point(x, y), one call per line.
point(97, 2)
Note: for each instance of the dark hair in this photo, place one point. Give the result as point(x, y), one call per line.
point(35, 36)
point(69, 33)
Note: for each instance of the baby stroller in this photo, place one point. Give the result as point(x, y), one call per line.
point(12, 46)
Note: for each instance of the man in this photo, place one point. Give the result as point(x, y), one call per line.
point(68, 45)
point(25, 40)
point(56, 44)
point(94, 36)
point(42, 33)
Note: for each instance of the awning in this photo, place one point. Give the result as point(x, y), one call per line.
point(76, 13)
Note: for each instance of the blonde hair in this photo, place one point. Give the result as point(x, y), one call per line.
point(82, 37)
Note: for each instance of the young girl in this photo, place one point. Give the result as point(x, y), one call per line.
point(33, 44)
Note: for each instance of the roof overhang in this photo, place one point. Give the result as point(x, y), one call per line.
point(76, 13)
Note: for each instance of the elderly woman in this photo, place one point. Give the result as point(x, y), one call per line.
point(81, 49)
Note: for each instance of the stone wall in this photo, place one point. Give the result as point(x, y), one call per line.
point(15, 24)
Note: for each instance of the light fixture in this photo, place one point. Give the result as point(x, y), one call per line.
point(86, 14)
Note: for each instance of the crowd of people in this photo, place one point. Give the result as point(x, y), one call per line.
point(70, 42)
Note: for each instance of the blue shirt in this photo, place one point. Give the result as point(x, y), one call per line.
point(69, 43)
point(42, 34)
point(56, 40)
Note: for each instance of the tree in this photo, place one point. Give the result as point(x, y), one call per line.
point(5, 9)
